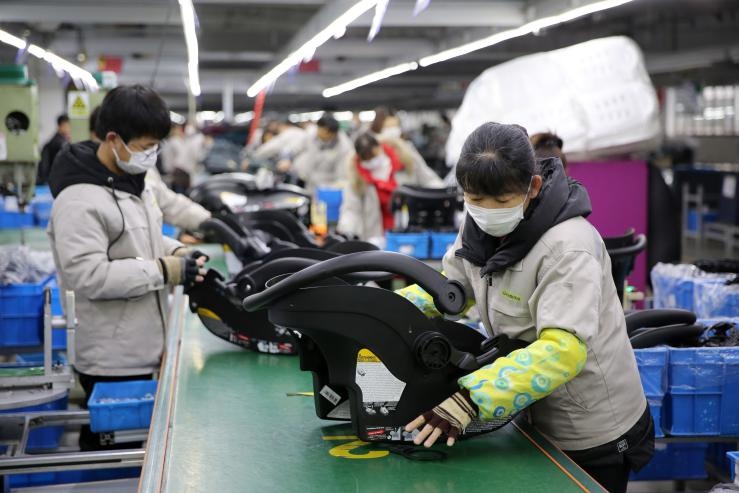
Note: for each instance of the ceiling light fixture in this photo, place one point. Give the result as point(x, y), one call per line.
point(78, 74)
point(528, 28)
point(306, 51)
point(369, 79)
point(187, 11)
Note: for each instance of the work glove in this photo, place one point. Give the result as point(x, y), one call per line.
point(181, 271)
point(449, 418)
point(185, 252)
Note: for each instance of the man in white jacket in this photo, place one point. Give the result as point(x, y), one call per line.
point(321, 160)
point(105, 234)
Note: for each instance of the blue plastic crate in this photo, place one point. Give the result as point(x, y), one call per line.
point(42, 191)
point(169, 230)
point(333, 198)
point(734, 461)
point(122, 405)
point(703, 392)
point(15, 220)
point(655, 409)
point(65, 477)
point(674, 461)
point(21, 314)
point(652, 364)
point(413, 244)
point(45, 438)
point(714, 299)
point(42, 212)
point(441, 242)
point(708, 217)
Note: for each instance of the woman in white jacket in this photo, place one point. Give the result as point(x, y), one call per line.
point(375, 171)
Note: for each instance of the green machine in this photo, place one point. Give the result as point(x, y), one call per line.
point(19, 124)
point(80, 105)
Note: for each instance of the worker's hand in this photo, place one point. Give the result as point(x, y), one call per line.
point(185, 271)
point(283, 165)
point(245, 163)
point(449, 418)
point(195, 254)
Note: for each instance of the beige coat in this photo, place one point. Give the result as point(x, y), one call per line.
point(565, 282)
point(122, 301)
point(177, 209)
point(360, 213)
point(323, 167)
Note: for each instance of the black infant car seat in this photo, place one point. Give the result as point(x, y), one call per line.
point(375, 357)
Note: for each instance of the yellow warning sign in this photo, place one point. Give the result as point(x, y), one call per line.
point(367, 356)
point(78, 105)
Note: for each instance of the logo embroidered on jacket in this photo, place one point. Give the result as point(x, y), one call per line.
point(511, 296)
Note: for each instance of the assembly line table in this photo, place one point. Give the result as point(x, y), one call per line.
point(224, 422)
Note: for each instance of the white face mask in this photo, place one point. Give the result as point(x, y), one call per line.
point(497, 222)
point(375, 163)
point(392, 132)
point(139, 162)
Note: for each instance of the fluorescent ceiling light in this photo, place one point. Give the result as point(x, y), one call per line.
point(78, 74)
point(528, 28)
point(306, 51)
point(369, 79)
point(191, 40)
point(7, 38)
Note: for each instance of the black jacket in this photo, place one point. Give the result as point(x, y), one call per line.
point(78, 163)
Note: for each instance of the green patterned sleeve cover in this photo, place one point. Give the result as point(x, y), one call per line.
point(512, 383)
point(423, 301)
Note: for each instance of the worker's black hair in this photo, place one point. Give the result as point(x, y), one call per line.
point(329, 123)
point(364, 144)
point(548, 144)
point(133, 112)
point(496, 159)
point(63, 118)
point(94, 118)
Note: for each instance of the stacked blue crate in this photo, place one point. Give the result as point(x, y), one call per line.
point(413, 244)
point(21, 314)
point(652, 363)
point(703, 392)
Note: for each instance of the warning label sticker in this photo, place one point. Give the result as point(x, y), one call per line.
point(78, 104)
point(381, 390)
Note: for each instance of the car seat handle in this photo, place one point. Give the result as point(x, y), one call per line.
point(449, 296)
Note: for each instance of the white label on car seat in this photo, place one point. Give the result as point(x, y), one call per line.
point(381, 390)
point(729, 186)
point(342, 411)
point(330, 395)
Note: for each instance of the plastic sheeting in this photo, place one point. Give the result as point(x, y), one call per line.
point(596, 95)
point(21, 265)
point(687, 287)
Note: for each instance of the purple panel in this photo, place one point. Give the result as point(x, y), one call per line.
point(618, 191)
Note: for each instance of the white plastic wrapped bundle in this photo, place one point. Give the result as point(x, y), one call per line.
point(596, 95)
